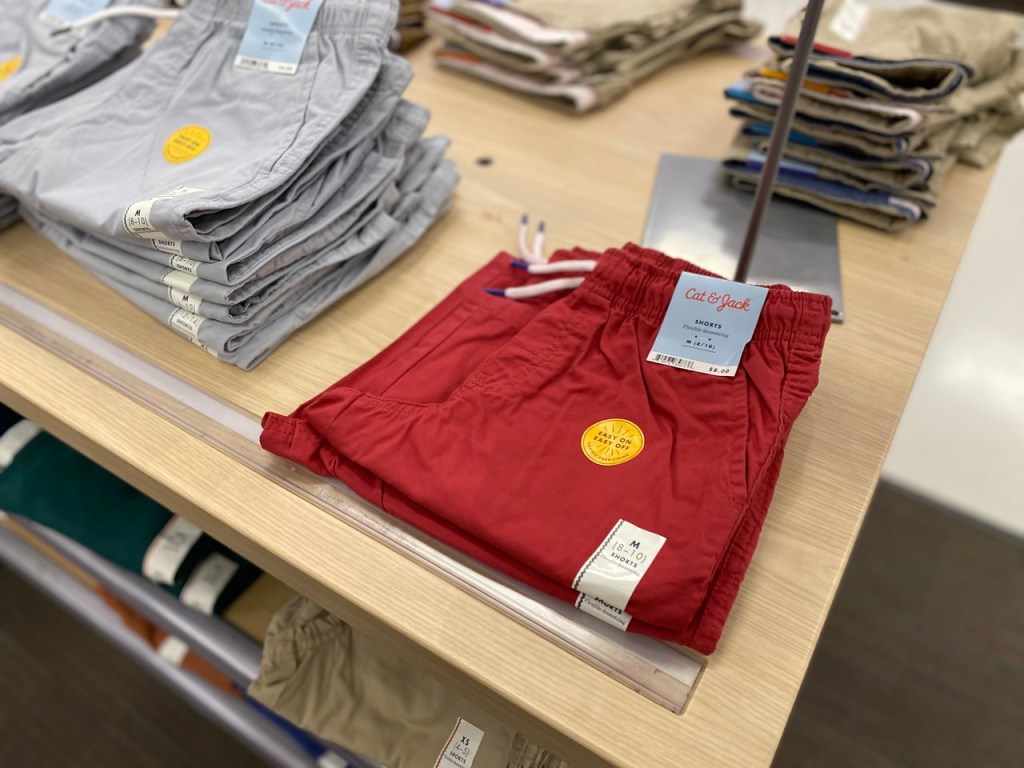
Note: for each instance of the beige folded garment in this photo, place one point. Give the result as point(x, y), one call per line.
point(591, 91)
point(932, 40)
point(325, 677)
point(577, 29)
point(999, 93)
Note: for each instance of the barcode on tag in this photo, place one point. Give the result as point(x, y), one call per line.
point(278, 67)
point(677, 362)
point(692, 365)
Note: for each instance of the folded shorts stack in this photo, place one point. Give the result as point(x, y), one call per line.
point(892, 100)
point(226, 197)
point(535, 435)
point(38, 67)
point(575, 55)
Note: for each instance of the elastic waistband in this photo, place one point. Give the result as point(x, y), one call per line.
point(640, 281)
point(341, 18)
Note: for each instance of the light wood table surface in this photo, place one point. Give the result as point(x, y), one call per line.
point(590, 178)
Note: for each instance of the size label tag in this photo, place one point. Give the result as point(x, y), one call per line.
point(276, 35)
point(606, 612)
point(180, 280)
point(169, 550)
point(173, 247)
point(461, 747)
point(205, 585)
point(614, 570)
point(137, 220)
point(173, 649)
point(708, 324)
point(14, 439)
point(184, 300)
point(186, 323)
point(138, 216)
point(58, 13)
point(849, 22)
point(183, 264)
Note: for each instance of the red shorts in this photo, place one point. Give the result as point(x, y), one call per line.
point(480, 426)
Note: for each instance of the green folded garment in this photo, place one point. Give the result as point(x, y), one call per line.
point(55, 486)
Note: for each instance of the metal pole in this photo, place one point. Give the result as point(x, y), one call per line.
point(780, 133)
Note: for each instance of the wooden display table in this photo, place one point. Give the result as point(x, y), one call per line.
point(590, 178)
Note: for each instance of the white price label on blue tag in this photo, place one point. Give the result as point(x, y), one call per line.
point(707, 324)
point(276, 35)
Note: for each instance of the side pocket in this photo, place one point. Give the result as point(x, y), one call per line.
point(767, 371)
point(739, 466)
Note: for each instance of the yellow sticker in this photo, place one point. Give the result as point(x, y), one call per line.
point(9, 67)
point(612, 441)
point(186, 143)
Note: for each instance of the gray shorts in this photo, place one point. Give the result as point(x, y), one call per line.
point(246, 344)
point(366, 225)
point(321, 218)
point(183, 120)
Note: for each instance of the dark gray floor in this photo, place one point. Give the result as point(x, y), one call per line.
point(68, 699)
point(921, 662)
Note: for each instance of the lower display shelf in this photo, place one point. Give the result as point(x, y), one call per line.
point(70, 574)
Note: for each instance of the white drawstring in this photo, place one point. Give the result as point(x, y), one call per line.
point(115, 12)
point(534, 255)
point(529, 291)
point(533, 261)
point(554, 267)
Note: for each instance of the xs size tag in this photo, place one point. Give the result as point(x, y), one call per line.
point(276, 35)
point(613, 572)
point(57, 13)
point(708, 324)
point(461, 747)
